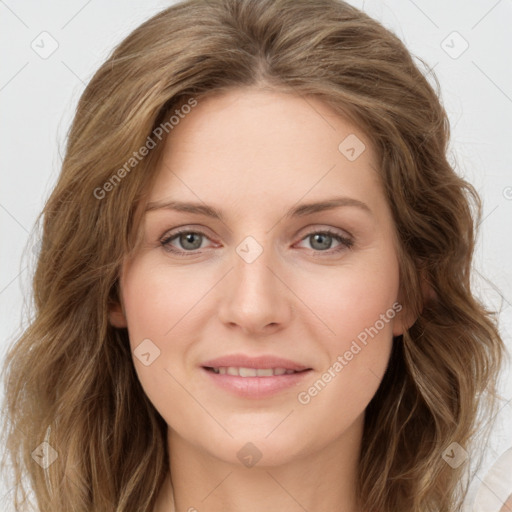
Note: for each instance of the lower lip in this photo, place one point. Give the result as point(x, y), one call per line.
point(256, 387)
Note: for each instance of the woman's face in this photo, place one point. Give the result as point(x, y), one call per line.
point(286, 261)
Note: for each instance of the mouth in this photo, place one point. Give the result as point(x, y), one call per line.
point(252, 377)
point(252, 372)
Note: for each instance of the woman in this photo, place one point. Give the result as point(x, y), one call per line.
point(253, 291)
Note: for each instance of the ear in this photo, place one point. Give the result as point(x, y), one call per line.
point(406, 317)
point(403, 320)
point(117, 316)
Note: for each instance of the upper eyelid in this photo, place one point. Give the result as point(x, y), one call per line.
point(185, 229)
point(173, 233)
point(190, 228)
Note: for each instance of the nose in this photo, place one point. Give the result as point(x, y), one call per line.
point(255, 298)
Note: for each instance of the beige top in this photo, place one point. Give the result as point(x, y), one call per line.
point(495, 493)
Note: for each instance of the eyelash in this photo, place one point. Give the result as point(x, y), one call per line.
point(345, 243)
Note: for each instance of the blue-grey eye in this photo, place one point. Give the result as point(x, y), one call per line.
point(322, 241)
point(190, 241)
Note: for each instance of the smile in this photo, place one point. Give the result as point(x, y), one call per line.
point(251, 372)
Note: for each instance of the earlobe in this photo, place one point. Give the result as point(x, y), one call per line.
point(403, 321)
point(116, 316)
point(406, 318)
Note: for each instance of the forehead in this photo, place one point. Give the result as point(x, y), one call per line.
point(250, 143)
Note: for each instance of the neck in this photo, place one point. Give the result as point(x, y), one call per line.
point(319, 481)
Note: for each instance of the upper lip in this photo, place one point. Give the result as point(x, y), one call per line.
point(262, 362)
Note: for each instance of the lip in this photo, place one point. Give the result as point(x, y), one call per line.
point(264, 361)
point(255, 387)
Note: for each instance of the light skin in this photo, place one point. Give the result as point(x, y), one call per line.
point(254, 154)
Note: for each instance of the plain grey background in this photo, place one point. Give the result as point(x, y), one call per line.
point(51, 49)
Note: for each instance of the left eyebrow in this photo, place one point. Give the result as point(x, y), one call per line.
point(329, 204)
point(297, 211)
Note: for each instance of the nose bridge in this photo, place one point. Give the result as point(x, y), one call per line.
point(256, 298)
point(253, 278)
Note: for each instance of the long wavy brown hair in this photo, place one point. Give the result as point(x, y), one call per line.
point(80, 432)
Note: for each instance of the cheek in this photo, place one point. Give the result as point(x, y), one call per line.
point(358, 306)
point(353, 298)
point(157, 301)
point(160, 307)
